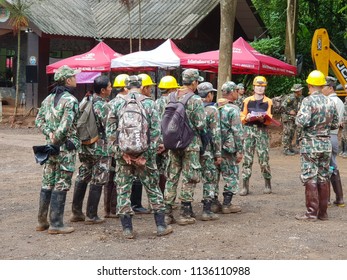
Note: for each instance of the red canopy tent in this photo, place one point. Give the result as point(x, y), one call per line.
point(245, 60)
point(97, 59)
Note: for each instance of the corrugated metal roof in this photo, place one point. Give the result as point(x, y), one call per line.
point(160, 19)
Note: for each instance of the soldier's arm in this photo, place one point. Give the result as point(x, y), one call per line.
point(198, 116)
point(216, 133)
point(303, 118)
point(40, 121)
point(335, 122)
point(237, 131)
point(154, 126)
point(111, 127)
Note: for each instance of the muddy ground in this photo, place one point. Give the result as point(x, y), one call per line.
point(265, 229)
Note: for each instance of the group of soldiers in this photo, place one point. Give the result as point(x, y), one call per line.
point(224, 135)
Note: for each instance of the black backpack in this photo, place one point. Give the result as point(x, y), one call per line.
point(176, 132)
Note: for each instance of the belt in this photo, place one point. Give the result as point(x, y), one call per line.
point(260, 125)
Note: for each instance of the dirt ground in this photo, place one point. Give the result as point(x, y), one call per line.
point(265, 229)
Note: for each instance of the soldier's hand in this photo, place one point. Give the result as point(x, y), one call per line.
point(127, 158)
point(292, 112)
point(239, 157)
point(248, 116)
point(160, 149)
point(218, 161)
point(51, 137)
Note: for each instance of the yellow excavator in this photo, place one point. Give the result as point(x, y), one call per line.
point(323, 57)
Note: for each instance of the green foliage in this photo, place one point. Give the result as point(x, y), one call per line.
point(269, 46)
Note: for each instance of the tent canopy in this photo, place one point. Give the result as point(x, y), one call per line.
point(245, 60)
point(97, 59)
point(167, 55)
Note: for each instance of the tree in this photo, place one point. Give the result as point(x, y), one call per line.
point(19, 12)
point(228, 11)
point(140, 24)
point(291, 28)
point(128, 4)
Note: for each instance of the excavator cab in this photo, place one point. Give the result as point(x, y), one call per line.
point(324, 58)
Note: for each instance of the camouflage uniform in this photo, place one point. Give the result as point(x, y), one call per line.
point(290, 103)
point(239, 101)
point(344, 132)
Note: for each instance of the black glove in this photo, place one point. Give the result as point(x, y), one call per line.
point(205, 140)
point(42, 153)
point(70, 146)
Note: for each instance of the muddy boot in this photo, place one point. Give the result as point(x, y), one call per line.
point(127, 225)
point(311, 197)
point(337, 187)
point(56, 214)
point(45, 199)
point(169, 218)
point(185, 217)
point(77, 201)
point(267, 189)
point(207, 214)
point(162, 182)
point(323, 192)
point(136, 198)
point(92, 205)
point(245, 187)
point(216, 206)
point(110, 200)
point(162, 227)
point(227, 207)
point(288, 152)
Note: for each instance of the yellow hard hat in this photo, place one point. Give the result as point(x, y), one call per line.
point(168, 82)
point(119, 81)
point(146, 80)
point(260, 81)
point(316, 78)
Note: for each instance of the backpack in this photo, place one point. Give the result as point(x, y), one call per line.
point(133, 128)
point(277, 104)
point(86, 125)
point(176, 132)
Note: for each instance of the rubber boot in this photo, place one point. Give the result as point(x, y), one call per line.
point(127, 225)
point(45, 199)
point(56, 214)
point(245, 187)
point(77, 201)
point(162, 182)
point(136, 198)
point(169, 218)
point(207, 214)
point(344, 154)
point(110, 200)
point(323, 192)
point(335, 180)
point(312, 202)
point(162, 227)
point(185, 217)
point(216, 206)
point(343, 147)
point(227, 207)
point(267, 189)
point(92, 205)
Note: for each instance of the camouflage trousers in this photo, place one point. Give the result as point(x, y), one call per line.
point(58, 171)
point(187, 163)
point(210, 177)
point(94, 169)
point(256, 139)
point(344, 132)
point(288, 134)
point(149, 177)
point(229, 170)
point(315, 166)
point(162, 160)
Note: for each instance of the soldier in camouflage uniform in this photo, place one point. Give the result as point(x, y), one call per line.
point(166, 85)
point(255, 109)
point(57, 119)
point(143, 166)
point(317, 116)
point(241, 91)
point(344, 130)
point(94, 158)
point(232, 145)
point(187, 161)
point(290, 107)
point(212, 156)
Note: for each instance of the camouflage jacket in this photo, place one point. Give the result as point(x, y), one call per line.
point(61, 119)
point(231, 128)
point(100, 109)
point(160, 105)
point(115, 106)
point(239, 101)
point(290, 102)
point(213, 126)
point(345, 115)
point(317, 116)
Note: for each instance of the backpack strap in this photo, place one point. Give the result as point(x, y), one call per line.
point(187, 97)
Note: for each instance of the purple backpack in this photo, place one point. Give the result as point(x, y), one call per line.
point(176, 132)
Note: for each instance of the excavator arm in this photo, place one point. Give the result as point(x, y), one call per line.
point(323, 57)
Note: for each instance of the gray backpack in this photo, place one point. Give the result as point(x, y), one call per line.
point(86, 125)
point(133, 127)
point(176, 132)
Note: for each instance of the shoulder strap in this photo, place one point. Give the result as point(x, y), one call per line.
point(173, 97)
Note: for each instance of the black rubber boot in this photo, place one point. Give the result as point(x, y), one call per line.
point(110, 200)
point(56, 214)
point(136, 198)
point(227, 207)
point(162, 227)
point(169, 218)
point(337, 187)
point(267, 189)
point(127, 225)
point(45, 199)
point(92, 205)
point(186, 213)
point(207, 214)
point(216, 206)
point(77, 201)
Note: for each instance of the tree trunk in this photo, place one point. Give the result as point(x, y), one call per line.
point(130, 33)
point(140, 24)
point(228, 11)
point(17, 78)
point(291, 29)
